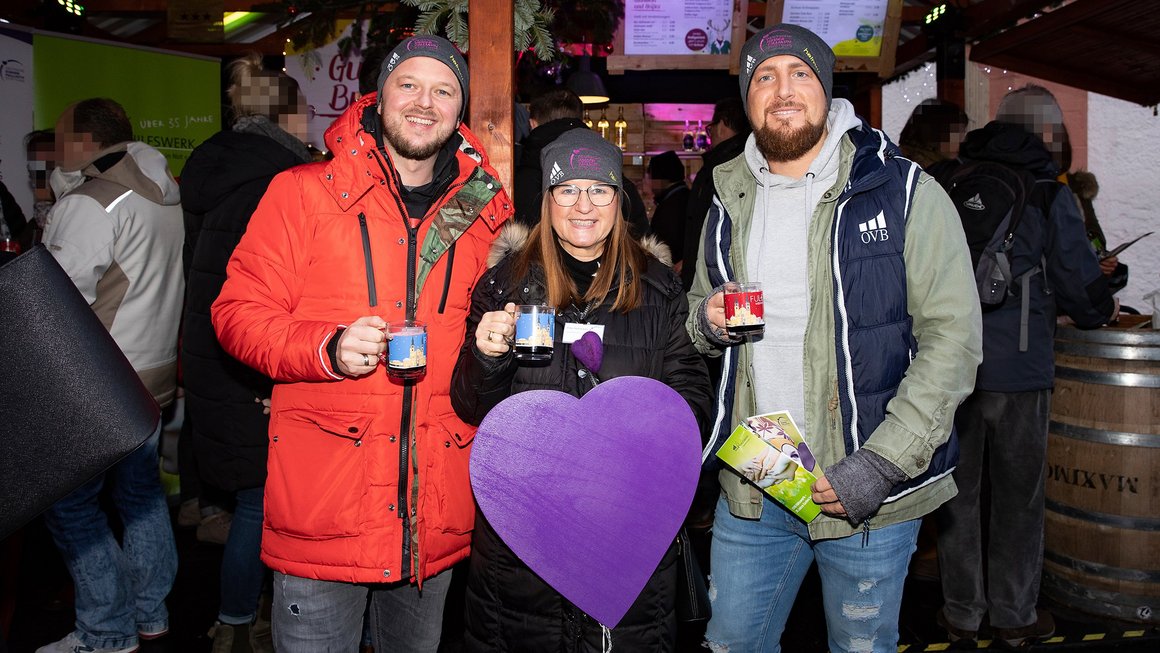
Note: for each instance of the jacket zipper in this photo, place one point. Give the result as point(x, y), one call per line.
point(447, 277)
point(404, 501)
point(405, 488)
point(372, 294)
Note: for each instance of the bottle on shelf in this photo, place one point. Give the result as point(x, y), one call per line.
point(688, 141)
point(587, 119)
point(702, 138)
point(602, 124)
point(621, 126)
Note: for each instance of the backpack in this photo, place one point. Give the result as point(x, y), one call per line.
point(990, 198)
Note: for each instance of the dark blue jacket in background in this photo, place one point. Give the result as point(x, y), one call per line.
point(1051, 234)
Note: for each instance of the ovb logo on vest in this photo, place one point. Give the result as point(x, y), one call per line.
point(874, 231)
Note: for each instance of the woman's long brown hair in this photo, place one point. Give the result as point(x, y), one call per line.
point(623, 262)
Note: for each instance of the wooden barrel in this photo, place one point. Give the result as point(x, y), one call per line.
point(1102, 547)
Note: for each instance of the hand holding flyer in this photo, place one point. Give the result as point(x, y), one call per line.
point(769, 451)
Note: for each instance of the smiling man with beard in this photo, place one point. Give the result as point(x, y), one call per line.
point(872, 337)
point(367, 493)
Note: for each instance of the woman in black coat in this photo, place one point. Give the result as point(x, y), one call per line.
point(582, 260)
point(226, 401)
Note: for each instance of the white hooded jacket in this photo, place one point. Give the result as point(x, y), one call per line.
point(117, 231)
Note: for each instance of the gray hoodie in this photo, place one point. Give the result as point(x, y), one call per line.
point(776, 255)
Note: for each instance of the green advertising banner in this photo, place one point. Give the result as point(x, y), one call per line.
point(172, 99)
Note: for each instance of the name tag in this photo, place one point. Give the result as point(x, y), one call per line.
point(574, 330)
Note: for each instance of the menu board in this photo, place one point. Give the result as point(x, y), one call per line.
point(853, 28)
point(665, 27)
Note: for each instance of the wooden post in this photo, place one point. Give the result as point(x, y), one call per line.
point(875, 93)
point(490, 61)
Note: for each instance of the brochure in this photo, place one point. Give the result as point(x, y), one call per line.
point(1116, 251)
point(771, 453)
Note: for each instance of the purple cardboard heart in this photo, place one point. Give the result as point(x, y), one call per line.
point(589, 492)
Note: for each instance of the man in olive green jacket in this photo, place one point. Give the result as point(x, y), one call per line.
point(872, 336)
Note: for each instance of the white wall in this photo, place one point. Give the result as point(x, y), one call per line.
point(901, 96)
point(1123, 140)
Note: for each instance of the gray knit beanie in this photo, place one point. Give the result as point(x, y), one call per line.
point(581, 154)
point(786, 38)
point(435, 47)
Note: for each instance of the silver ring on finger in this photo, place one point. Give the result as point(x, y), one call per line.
point(366, 360)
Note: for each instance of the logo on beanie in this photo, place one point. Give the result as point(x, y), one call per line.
point(776, 40)
point(750, 62)
point(452, 62)
point(393, 62)
point(425, 44)
point(586, 159)
point(810, 56)
point(556, 175)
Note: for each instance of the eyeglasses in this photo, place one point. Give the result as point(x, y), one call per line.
point(599, 194)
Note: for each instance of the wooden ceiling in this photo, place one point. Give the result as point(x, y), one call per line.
point(1105, 46)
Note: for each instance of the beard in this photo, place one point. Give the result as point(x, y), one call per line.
point(393, 134)
point(782, 143)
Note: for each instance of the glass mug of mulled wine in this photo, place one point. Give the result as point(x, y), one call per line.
point(407, 349)
point(744, 309)
point(535, 332)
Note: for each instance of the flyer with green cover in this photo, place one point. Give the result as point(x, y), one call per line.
point(770, 452)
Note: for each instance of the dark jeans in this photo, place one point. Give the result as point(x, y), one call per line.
point(242, 570)
point(1007, 433)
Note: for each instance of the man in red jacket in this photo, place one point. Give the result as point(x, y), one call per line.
point(368, 489)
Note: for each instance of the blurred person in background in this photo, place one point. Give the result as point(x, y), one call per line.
point(41, 151)
point(992, 575)
point(671, 193)
point(552, 114)
point(727, 133)
point(116, 229)
point(933, 133)
point(227, 401)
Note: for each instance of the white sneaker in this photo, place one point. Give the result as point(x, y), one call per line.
point(72, 644)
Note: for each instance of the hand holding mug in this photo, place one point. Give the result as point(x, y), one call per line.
point(494, 332)
point(360, 345)
point(715, 311)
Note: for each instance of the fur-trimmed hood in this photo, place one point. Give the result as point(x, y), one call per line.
point(514, 235)
point(1083, 184)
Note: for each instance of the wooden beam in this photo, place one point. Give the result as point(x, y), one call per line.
point(272, 45)
point(987, 16)
point(1122, 40)
point(490, 115)
point(912, 54)
point(1060, 73)
point(1064, 18)
point(875, 115)
point(773, 11)
point(891, 26)
point(158, 6)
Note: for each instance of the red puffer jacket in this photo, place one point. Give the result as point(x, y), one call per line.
point(368, 478)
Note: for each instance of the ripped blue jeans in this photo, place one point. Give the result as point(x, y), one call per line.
point(757, 567)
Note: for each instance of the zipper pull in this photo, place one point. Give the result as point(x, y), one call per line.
point(865, 533)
